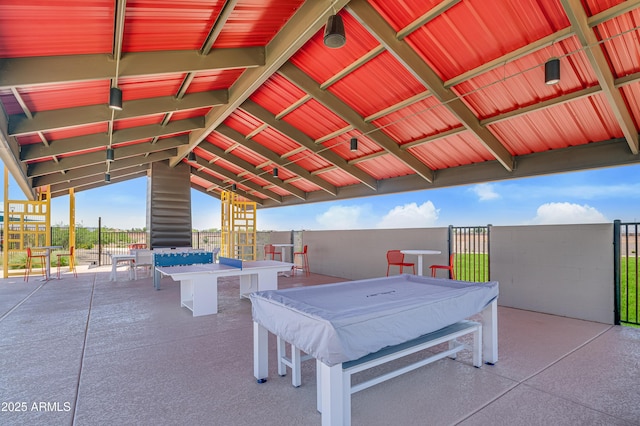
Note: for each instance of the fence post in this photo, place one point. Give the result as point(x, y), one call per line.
point(99, 241)
point(616, 270)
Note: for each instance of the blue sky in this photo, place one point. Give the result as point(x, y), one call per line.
point(579, 197)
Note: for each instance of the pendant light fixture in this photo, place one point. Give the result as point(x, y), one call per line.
point(107, 177)
point(234, 187)
point(275, 172)
point(334, 36)
point(353, 146)
point(191, 156)
point(110, 155)
point(552, 71)
point(115, 99)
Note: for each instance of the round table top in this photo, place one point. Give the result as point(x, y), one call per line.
point(425, 251)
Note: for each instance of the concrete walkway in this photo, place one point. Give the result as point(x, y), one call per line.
point(88, 351)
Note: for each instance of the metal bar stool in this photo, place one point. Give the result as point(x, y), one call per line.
point(72, 261)
point(30, 257)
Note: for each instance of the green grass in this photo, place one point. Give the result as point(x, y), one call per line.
point(629, 290)
point(472, 267)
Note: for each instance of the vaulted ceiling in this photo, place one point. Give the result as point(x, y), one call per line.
point(436, 93)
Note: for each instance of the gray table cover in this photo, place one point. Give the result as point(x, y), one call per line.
point(341, 322)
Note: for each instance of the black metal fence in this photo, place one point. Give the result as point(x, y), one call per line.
point(470, 248)
point(95, 246)
point(625, 269)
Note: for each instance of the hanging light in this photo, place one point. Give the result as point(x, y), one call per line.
point(191, 156)
point(353, 146)
point(552, 71)
point(115, 99)
point(334, 36)
point(107, 177)
point(275, 172)
point(234, 187)
point(110, 155)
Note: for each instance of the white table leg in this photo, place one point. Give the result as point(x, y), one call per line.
point(286, 274)
point(332, 395)
point(490, 333)
point(114, 271)
point(419, 264)
point(249, 283)
point(205, 296)
point(260, 353)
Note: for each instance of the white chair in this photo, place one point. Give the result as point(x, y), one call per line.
point(144, 259)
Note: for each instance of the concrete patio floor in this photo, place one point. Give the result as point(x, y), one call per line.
point(87, 351)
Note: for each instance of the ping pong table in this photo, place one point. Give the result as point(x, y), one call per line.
point(348, 323)
point(199, 282)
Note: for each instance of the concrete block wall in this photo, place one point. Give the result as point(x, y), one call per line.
point(564, 270)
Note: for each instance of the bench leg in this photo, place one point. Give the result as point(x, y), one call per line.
point(295, 362)
point(477, 347)
point(282, 368)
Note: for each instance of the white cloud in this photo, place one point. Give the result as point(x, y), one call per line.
point(485, 191)
point(567, 213)
point(342, 217)
point(410, 216)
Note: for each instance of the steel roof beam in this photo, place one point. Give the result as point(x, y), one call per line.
point(383, 32)
point(303, 25)
point(76, 161)
point(275, 158)
point(96, 140)
point(17, 72)
point(595, 54)
point(308, 143)
point(71, 117)
point(338, 107)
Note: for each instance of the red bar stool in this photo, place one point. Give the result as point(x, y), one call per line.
point(30, 257)
point(270, 252)
point(304, 261)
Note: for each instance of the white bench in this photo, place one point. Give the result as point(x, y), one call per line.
point(338, 389)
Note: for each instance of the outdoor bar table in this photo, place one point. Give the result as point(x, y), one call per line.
point(47, 254)
point(420, 253)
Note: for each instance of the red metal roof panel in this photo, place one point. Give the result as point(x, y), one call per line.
point(214, 80)
point(378, 84)
point(314, 119)
point(322, 63)
point(189, 113)
point(148, 86)
point(338, 177)
point(418, 120)
point(579, 122)
point(72, 27)
point(168, 24)
point(46, 97)
point(521, 82)
point(277, 94)
point(243, 122)
point(479, 31)
point(72, 132)
point(275, 141)
point(256, 22)
point(385, 167)
point(623, 51)
point(456, 150)
point(402, 13)
point(631, 93)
